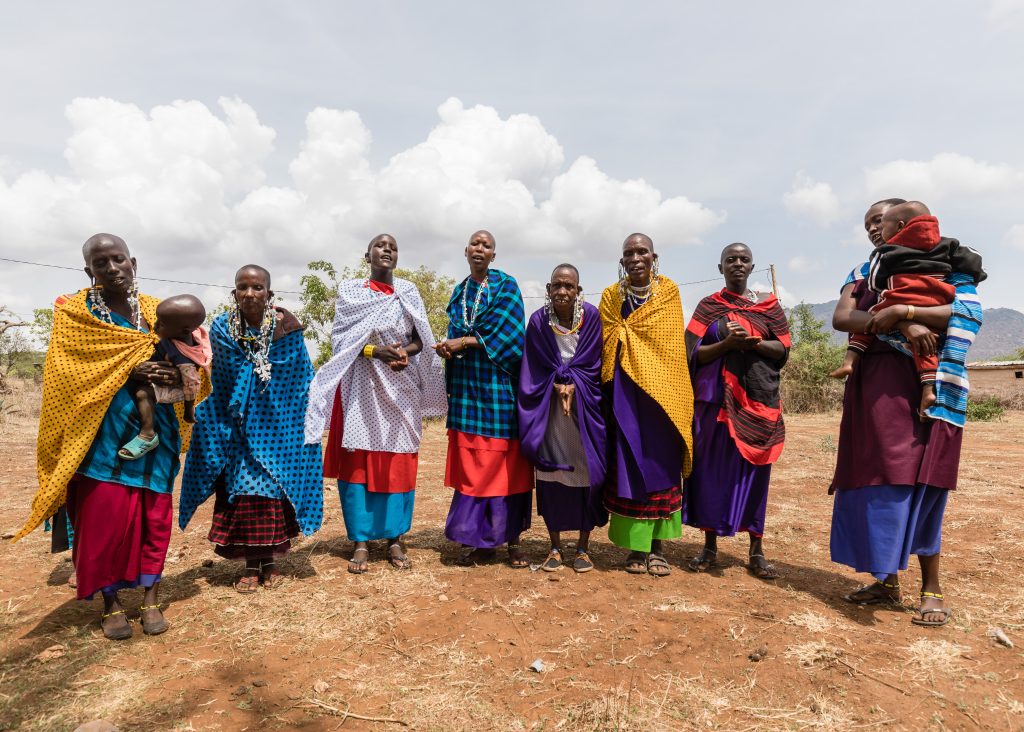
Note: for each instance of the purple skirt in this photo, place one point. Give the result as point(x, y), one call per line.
point(724, 494)
point(487, 523)
point(570, 508)
point(875, 529)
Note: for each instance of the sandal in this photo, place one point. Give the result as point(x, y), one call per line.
point(554, 561)
point(270, 578)
point(704, 561)
point(138, 447)
point(119, 633)
point(658, 566)
point(636, 563)
point(474, 557)
point(516, 558)
point(877, 593)
point(401, 561)
point(153, 627)
point(359, 566)
point(248, 583)
point(582, 562)
point(945, 612)
point(763, 570)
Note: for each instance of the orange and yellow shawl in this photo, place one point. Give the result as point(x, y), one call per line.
point(652, 353)
point(87, 363)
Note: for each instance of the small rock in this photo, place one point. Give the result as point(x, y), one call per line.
point(442, 598)
point(512, 641)
point(207, 563)
point(51, 653)
point(321, 687)
point(554, 578)
point(8, 535)
point(759, 654)
point(259, 683)
point(537, 666)
point(999, 637)
point(241, 690)
point(97, 725)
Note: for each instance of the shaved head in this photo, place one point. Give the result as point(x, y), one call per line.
point(906, 211)
point(102, 240)
point(483, 233)
point(377, 238)
point(640, 238)
point(570, 267)
point(263, 271)
point(735, 245)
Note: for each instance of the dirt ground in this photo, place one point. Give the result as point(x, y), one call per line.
point(448, 648)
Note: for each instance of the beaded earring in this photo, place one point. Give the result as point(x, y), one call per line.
point(654, 270)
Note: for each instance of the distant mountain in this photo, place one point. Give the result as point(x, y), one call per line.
point(1001, 335)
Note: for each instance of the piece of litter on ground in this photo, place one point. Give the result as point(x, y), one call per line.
point(999, 637)
point(537, 666)
point(442, 598)
point(533, 567)
point(51, 653)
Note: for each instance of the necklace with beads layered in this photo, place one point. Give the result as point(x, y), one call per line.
point(469, 319)
point(637, 296)
point(577, 318)
point(96, 302)
point(255, 347)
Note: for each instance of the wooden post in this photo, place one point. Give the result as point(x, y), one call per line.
point(775, 284)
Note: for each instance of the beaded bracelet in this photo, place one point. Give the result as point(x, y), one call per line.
point(368, 350)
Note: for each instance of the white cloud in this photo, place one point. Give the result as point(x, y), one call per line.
point(1015, 236)
point(944, 176)
point(186, 186)
point(813, 200)
point(1006, 14)
point(804, 265)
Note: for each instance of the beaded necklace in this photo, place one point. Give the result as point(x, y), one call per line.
point(255, 347)
point(637, 296)
point(470, 321)
point(577, 317)
point(96, 302)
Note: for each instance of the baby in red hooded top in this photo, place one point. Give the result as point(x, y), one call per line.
point(910, 268)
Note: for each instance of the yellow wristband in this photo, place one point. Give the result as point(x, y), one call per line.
point(463, 344)
point(368, 350)
point(910, 312)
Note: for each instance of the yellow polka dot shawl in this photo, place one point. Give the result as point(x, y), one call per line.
point(87, 363)
point(650, 349)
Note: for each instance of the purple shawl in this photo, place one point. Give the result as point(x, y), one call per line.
point(542, 367)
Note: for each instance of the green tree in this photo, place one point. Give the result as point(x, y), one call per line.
point(806, 386)
point(42, 325)
point(320, 290)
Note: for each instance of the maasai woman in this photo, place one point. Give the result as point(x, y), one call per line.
point(560, 420)
point(648, 407)
point(493, 482)
point(375, 391)
point(120, 511)
point(248, 448)
point(737, 341)
point(893, 471)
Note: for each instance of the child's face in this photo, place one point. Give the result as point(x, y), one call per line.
point(178, 325)
point(891, 225)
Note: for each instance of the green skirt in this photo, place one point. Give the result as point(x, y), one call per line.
point(637, 534)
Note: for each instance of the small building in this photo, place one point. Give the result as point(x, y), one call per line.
point(996, 378)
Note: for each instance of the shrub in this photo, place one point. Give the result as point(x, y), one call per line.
point(806, 386)
point(988, 409)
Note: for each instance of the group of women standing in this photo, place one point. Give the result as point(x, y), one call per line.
point(609, 412)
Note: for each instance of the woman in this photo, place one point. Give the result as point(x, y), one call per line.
point(120, 511)
point(560, 420)
point(649, 408)
point(375, 392)
point(248, 449)
point(493, 482)
point(893, 471)
point(737, 341)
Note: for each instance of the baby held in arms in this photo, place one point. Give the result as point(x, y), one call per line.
point(909, 270)
point(185, 344)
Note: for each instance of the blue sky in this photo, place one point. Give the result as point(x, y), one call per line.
point(209, 135)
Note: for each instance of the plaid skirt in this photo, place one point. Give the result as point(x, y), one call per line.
point(253, 527)
point(660, 505)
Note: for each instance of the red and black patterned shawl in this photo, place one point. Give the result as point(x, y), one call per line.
point(751, 405)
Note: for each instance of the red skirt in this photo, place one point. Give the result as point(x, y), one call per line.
point(486, 467)
point(121, 535)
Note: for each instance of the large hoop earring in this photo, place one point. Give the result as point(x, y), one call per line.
point(654, 270)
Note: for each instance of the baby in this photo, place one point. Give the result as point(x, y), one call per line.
point(909, 268)
point(185, 344)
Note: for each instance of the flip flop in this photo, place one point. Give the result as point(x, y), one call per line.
point(402, 561)
point(353, 563)
point(766, 571)
point(946, 612)
point(704, 561)
point(138, 447)
point(879, 598)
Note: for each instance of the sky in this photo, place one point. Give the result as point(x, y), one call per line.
point(211, 135)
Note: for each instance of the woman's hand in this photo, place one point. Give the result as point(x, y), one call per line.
point(157, 372)
point(444, 349)
point(923, 342)
point(884, 321)
point(737, 338)
point(566, 393)
point(403, 358)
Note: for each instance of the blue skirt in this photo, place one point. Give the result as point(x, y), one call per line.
point(369, 516)
point(875, 529)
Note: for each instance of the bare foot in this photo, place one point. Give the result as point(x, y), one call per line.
point(927, 400)
point(842, 372)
